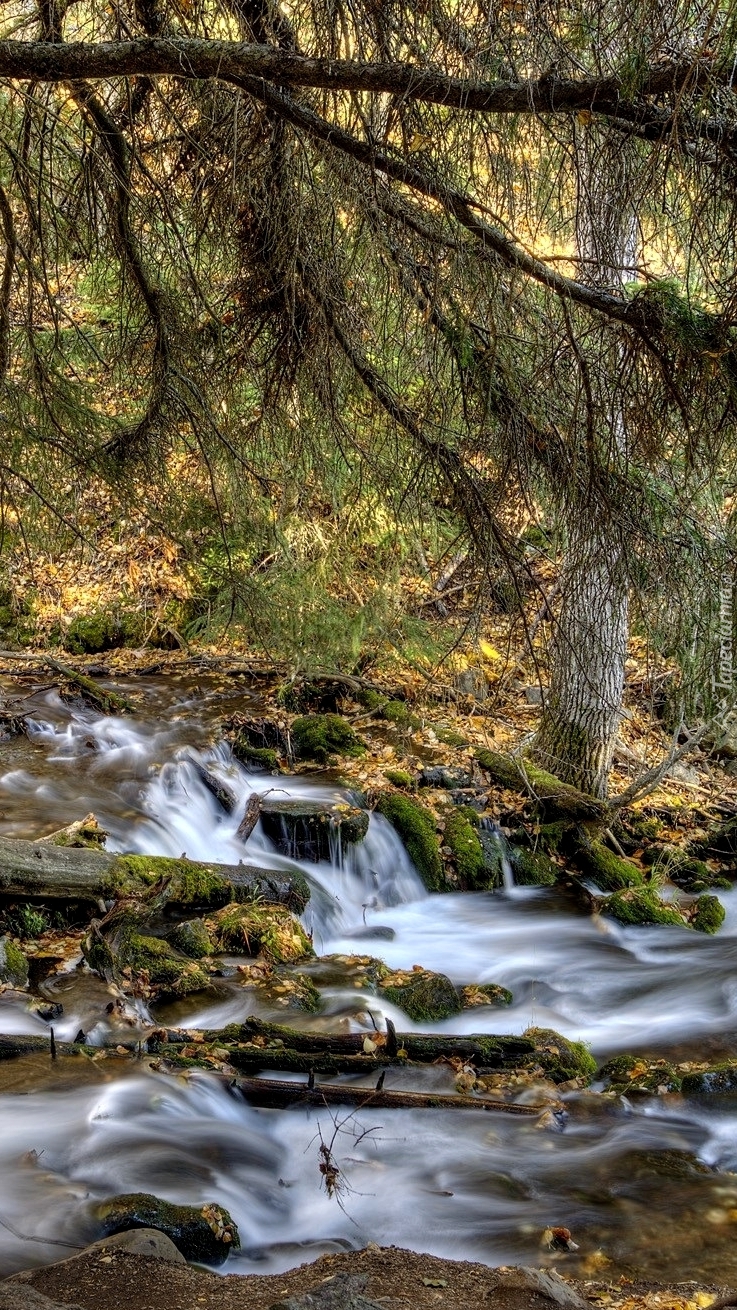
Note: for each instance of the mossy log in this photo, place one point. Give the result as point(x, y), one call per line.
point(552, 798)
point(43, 869)
point(492, 1052)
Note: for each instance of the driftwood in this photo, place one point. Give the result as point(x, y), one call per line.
point(276, 1094)
point(250, 817)
point(41, 869)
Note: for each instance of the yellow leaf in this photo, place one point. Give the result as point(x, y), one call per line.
point(488, 651)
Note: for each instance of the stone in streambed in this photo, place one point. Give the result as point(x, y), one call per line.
point(141, 1241)
point(343, 1291)
point(204, 1234)
point(630, 1074)
point(425, 997)
point(309, 830)
point(192, 939)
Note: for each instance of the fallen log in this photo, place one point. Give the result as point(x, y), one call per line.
point(107, 701)
point(42, 869)
point(276, 1094)
point(491, 1052)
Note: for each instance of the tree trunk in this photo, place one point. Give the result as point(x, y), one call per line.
point(582, 711)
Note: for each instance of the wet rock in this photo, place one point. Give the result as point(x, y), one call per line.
point(708, 915)
point(258, 743)
point(532, 868)
point(342, 1292)
point(13, 963)
point(449, 779)
point(255, 929)
point(560, 1059)
point(308, 830)
point(192, 939)
point(630, 1075)
point(715, 1081)
point(321, 737)
point(416, 827)
point(548, 1283)
point(203, 1234)
point(425, 997)
point(18, 1296)
point(141, 1241)
point(485, 994)
point(641, 906)
point(461, 836)
point(123, 951)
point(379, 932)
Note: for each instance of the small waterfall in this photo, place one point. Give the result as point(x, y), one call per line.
point(496, 837)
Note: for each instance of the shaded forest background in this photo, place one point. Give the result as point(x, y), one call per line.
point(361, 331)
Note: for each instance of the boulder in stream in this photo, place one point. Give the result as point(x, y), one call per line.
point(425, 997)
point(204, 1234)
point(257, 929)
point(192, 939)
point(311, 830)
point(417, 828)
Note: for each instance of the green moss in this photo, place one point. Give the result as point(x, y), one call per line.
point(533, 868)
point(468, 857)
point(400, 778)
point(13, 963)
point(89, 634)
point(641, 905)
point(485, 994)
point(709, 915)
point(627, 1074)
point(553, 798)
point(170, 973)
point(189, 884)
point(261, 756)
point(204, 1234)
point(609, 871)
point(192, 939)
point(425, 997)
point(321, 736)
point(371, 700)
point(395, 711)
point(260, 929)
point(416, 827)
point(561, 1059)
point(449, 737)
point(719, 1079)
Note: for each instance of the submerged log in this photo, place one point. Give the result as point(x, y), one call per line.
point(276, 1094)
point(42, 869)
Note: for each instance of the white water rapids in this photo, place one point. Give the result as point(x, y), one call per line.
point(464, 1184)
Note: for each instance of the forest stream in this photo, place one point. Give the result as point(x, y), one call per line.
point(479, 1186)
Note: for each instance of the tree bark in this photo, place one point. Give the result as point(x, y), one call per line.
point(582, 712)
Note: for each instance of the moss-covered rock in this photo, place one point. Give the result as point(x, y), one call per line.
point(628, 1074)
point(609, 871)
point(425, 997)
point(641, 905)
point(462, 839)
point(485, 994)
point(192, 939)
point(259, 929)
point(89, 634)
point(292, 991)
point(400, 778)
point(309, 830)
point(13, 963)
point(204, 1234)
point(416, 827)
point(169, 973)
point(717, 1080)
point(708, 915)
point(532, 868)
point(561, 1059)
point(398, 712)
point(321, 737)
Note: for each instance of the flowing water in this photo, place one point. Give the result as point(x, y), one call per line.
point(649, 1184)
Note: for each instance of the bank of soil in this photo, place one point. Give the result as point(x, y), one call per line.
point(117, 1280)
